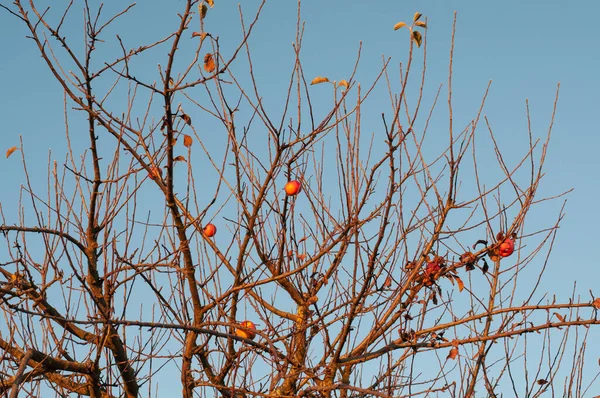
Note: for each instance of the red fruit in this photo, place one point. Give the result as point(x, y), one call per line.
point(210, 230)
point(506, 248)
point(292, 188)
point(247, 330)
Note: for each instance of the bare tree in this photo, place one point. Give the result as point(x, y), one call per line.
point(283, 253)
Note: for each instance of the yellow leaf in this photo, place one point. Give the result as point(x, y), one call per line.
point(211, 3)
point(343, 83)
point(209, 63)
point(417, 16)
point(10, 151)
point(417, 37)
point(319, 79)
point(187, 141)
point(399, 25)
point(421, 24)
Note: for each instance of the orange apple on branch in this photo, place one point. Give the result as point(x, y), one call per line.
point(209, 230)
point(247, 330)
point(292, 188)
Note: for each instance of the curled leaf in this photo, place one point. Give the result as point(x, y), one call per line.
point(417, 16)
point(453, 353)
point(187, 119)
point(10, 151)
point(460, 283)
point(541, 382)
point(202, 10)
point(319, 79)
point(187, 141)
point(343, 83)
point(596, 303)
point(211, 3)
point(196, 34)
point(399, 25)
point(417, 37)
point(209, 63)
point(421, 24)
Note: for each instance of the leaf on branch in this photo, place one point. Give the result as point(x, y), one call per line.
point(399, 25)
point(421, 24)
point(209, 63)
point(179, 159)
point(453, 353)
point(198, 34)
point(202, 10)
point(541, 382)
point(596, 303)
point(461, 284)
point(560, 317)
point(417, 37)
point(155, 173)
point(343, 83)
point(417, 16)
point(11, 151)
point(187, 119)
point(211, 3)
point(318, 80)
point(187, 141)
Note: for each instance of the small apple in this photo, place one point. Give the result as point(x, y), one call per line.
point(210, 230)
point(292, 188)
point(506, 248)
point(247, 330)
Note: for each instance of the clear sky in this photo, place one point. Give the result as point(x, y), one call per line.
point(525, 47)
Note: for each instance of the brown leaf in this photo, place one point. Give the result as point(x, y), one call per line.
point(461, 284)
point(179, 159)
point(211, 3)
point(202, 10)
point(155, 173)
point(417, 16)
point(187, 119)
point(209, 63)
point(318, 80)
point(343, 83)
point(417, 37)
point(10, 151)
point(187, 141)
point(541, 382)
point(196, 34)
point(453, 353)
point(302, 256)
point(596, 303)
point(421, 24)
point(560, 317)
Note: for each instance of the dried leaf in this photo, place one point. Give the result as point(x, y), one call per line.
point(302, 256)
point(202, 10)
point(417, 37)
point(319, 79)
point(399, 25)
point(421, 24)
point(196, 34)
point(179, 159)
point(461, 284)
point(596, 303)
point(560, 317)
point(155, 173)
point(211, 3)
point(187, 119)
point(541, 382)
point(187, 141)
point(453, 353)
point(343, 83)
point(209, 63)
point(10, 151)
point(417, 16)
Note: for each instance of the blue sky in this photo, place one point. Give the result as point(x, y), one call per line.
point(525, 48)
